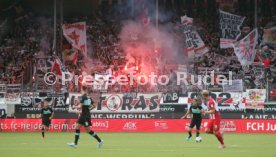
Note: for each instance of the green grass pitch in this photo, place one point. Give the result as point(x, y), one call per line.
point(136, 145)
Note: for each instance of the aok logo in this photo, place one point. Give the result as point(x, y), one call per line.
point(130, 126)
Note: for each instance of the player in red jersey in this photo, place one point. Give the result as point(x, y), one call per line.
point(213, 126)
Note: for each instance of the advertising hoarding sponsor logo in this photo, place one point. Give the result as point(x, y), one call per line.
point(139, 125)
point(130, 126)
point(100, 125)
point(163, 125)
point(261, 126)
point(228, 126)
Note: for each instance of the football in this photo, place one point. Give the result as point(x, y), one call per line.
point(198, 139)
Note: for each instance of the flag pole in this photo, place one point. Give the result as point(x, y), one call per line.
point(255, 14)
point(267, 90)
point(132, 8)
point(156, 13)
point(55, 27)
point(60, 24)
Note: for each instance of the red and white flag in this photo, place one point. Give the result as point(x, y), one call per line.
point(245, 49)
point(194, 46)
point(186, 20)
point(75, 34)
point(56, 66)
point(75, 59)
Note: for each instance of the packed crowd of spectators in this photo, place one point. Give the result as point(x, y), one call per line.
point(18, 48)
point(31, 34)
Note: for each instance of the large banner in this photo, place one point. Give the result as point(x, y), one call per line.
point(75, 34)
point(195, 47)
point(31, 101)
point(168, 105)
point(229, 28)
point(226, 100)
point(12, 98)
point(121, 103)
point(137, 125)
point(255, 98)
point(245, 49)
point(269, 36)
point(251, 99)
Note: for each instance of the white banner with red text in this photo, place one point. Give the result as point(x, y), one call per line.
point(122, 103)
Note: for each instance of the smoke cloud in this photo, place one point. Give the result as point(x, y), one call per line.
point(147, 46)
point(150, 47)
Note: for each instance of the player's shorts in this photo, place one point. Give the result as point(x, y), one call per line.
point(86, 121)
point(46, 122)
point(195, 122)
point(214, 125)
